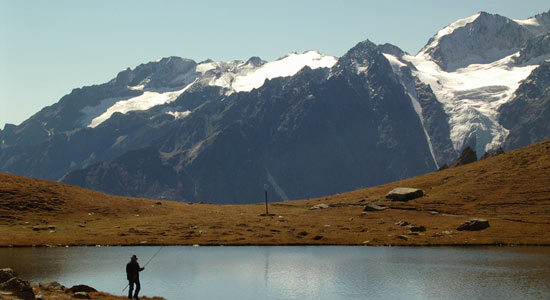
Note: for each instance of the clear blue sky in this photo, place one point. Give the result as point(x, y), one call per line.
point(47, 48)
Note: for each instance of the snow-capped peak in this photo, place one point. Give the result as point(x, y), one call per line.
point(482, 38)
point(434, 41)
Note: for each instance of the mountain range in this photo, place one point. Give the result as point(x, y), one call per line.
point(305, 125)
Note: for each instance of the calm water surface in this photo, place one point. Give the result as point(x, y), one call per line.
point(330, 273)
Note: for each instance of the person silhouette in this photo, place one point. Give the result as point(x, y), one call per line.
point(132, 274)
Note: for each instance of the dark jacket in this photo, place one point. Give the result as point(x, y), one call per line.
point(132, 270)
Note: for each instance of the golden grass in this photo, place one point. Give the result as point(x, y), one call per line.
point(512, 191)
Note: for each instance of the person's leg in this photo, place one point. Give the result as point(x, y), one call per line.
point(138, 287)
point(131, 284)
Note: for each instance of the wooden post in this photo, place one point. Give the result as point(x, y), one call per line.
point(266, 209)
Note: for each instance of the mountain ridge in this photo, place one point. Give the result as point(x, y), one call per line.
point(374, 115)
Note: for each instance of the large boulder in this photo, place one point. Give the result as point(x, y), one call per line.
point(6, 274)
point(404, 194)
point(19, 288)
point(474, 225)
point(319, 206)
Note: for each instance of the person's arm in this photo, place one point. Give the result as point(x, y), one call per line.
point(140, 268)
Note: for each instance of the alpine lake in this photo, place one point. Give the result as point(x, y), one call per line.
point(296, 272)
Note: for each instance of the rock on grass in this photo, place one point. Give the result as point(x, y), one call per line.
point(404, 194)
point(474, 225)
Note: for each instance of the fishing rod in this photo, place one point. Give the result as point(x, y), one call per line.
point(145, 265)
point(150, 259)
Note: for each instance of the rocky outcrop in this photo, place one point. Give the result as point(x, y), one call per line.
point(473, 225)
point(404, 194)
point(526, 114)
point(19, 288)
point(492, 153)
point(467, 156)
point(6, 274)
point(535, 48)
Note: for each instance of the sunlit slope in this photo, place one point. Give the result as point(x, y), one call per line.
point(511, 191)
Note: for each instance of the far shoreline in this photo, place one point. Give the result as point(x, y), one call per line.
point(464, 245)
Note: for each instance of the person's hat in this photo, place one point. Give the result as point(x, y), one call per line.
point(134, 256)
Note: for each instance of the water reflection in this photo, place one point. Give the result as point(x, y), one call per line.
point(298, 272)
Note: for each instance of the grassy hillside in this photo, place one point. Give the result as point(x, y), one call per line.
point(512, 191)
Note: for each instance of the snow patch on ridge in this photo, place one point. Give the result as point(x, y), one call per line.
point(287, 66)
point(145, 101)
point(528, 22)
point(179, 114)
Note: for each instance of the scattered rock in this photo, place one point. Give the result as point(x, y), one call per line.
point(403, 237)
point(6, 274)
point(404, 194)
point(443, 233)
point(418, 228)
point(474, 225)
point(51, 286)
point(381, 222)
point(317, 237)
point(320, 206)
point(38, 228)
point(20, 288)
point(81, 295)
point(374, 207)
point(402, 223)
point(82, 288)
